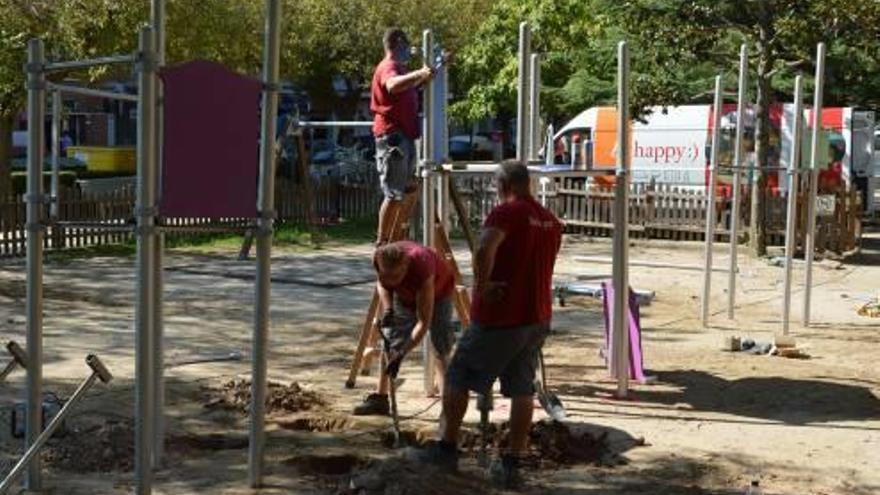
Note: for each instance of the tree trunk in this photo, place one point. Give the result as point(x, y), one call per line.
point(757, 223)
point(7, 122)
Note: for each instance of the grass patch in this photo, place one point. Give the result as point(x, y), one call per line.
point(288, 236)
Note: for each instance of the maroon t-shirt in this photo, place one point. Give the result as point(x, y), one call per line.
point(393, 113)
point(423, 263)
point(524, 262)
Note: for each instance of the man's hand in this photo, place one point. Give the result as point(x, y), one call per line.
point(493, 292)
point(394, 358)
point(426, 73)
point(387, 320)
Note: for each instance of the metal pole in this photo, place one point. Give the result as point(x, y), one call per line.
point(146, 258)
point(620, 268)
point(429, 206)
point(157, 19)
point(428, 103)
point(36, 108)
point(265, 205)
point(791, 215)
point(737, 174)
point(810, 234)
point(56, 153)
point(710, 211)
point(98, 93)
point(98, 371)
point(550, 148)
point(522, 96)
point(85, 64)
point(534, 106)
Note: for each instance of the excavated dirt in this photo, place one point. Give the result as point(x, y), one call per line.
point(403, 477)
point(324, 423)
point(108, 447)
point(326, 465)
point(236, 395)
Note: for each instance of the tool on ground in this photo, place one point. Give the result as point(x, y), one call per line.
point(549, 401)
point(484, 405)
point(19, 358)
point(99, 371)
point(391, 369)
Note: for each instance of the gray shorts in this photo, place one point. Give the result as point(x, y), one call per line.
point(441, 332)
point(396, 163)
point(508, 353)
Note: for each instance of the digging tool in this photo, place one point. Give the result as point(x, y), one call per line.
point(484, 405)
point(19, 358)
point(391, 369)
point(549, 401)
point(99, 371)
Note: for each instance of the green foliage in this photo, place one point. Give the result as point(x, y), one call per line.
point(19, 180)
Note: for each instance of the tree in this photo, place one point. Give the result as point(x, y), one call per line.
point(782, 36)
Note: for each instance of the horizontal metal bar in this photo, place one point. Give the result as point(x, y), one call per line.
point(334, 123)
point(84, 64)
point(206, 229)
point(99, 93)
point(109, 227)
point(490, 167)
point(118, 227)
point(762, 169)
point(649, 264)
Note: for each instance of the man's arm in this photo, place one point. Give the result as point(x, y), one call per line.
point(484, 260)
point(424, 313)
point(386, 297)
point(399, 84)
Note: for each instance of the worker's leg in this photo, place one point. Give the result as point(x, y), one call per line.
point(518, 383)
point(377, 404)
point(387, 213)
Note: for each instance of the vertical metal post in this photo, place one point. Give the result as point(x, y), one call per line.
point(145, 212)
point(737, 175)
point(265, 208)
point(522, 95)
point(791, 214)
point(620, 263)
point(810, 234)
point(36, 109)
point(534, 106)
point(56, 153)
point(157, 19)
point(550, 148)
point(429, 206)
point(428, 103)
point(710, 210)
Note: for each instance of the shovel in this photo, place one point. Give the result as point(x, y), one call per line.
point(548, 400)
point(392, 385)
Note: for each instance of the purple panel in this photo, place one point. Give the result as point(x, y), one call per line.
point(211, 142)
point(636, 364)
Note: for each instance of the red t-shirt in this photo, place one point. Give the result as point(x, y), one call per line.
point(393, 113)
point(423, 263)
point(524, 262)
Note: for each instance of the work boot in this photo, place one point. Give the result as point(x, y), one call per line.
point(373, 405)
point(504, 473)
point(439, 454)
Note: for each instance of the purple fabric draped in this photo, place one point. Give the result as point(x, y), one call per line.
point(636, 364)
point(211, 142)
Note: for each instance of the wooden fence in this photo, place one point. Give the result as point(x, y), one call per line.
point(655, 211)
point(102, 218)
point(662, 211)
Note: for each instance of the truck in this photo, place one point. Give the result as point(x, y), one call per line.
point(672, 145)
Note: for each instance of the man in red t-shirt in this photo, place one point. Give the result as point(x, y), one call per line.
point(510, 315)
point(422, 282)
point(394, 100)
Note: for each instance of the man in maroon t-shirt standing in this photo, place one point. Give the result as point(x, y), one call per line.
point(510, 315)
point(394, 100)
point(415, 290)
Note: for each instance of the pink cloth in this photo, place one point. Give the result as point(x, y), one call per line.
point(211, 142)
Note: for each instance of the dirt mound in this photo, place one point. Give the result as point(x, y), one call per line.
point(235, 395)
point(108, 447)
point(550, 442)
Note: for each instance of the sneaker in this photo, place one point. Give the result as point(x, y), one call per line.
point(373, 405)
point(437, 454)
point(504, 473)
